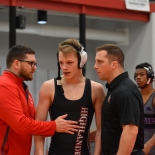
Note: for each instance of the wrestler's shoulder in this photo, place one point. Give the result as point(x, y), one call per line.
point(96, 84)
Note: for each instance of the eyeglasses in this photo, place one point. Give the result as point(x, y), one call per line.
point(31, 63)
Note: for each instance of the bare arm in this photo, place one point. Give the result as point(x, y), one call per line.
point(99, 95)
point(127, 140)
point(149, 144)
point(42, 111)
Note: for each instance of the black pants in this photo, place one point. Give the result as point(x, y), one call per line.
point(140, 152)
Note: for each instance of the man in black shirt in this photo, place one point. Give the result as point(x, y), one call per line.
point(122, 112)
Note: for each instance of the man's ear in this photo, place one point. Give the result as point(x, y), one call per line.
point(16, 64)
point(114, 64)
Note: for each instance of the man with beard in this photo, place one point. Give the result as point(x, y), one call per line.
point(144, 76)
point(17, 111)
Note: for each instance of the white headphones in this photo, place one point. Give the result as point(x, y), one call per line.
point(83, 56)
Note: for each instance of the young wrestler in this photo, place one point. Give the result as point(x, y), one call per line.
point(71, 94)
point(144, 76)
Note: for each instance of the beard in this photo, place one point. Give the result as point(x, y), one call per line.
point(27, 76)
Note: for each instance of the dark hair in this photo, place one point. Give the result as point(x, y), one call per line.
point(114, 53)
point(142, 65)
point(18, 52)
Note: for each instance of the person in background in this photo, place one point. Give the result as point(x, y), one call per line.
point(17, 111)
point(74, 94)
point(144, 77)
point(122, 129)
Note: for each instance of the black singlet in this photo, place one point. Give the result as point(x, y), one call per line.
point(80, 110)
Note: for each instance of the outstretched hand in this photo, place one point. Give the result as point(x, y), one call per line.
point(66, 126)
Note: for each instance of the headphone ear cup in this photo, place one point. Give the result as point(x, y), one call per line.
point(150, 74)
point(83, 55)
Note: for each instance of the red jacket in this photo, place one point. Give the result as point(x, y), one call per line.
point(18, 112)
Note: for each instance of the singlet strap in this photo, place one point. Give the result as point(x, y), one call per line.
point(152, 95)
point(152, 98)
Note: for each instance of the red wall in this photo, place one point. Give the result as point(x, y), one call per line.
point(102, 8)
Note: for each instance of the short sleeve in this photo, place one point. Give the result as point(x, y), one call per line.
point(128, 108)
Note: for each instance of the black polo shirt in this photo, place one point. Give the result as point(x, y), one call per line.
point(123, 105)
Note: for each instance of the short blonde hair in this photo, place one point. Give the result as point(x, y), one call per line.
point(66, 46)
